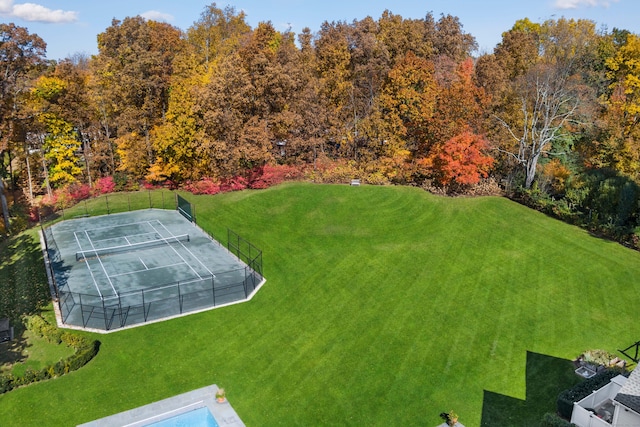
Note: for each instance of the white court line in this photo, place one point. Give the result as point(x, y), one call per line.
point(126, 238)
point(143, 264)
point(88, 267)
point(177, 253)
point(187, 249)
point(147, 269)
point(119, 225)
point(102, 265)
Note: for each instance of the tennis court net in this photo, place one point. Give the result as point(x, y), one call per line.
point(93, 253)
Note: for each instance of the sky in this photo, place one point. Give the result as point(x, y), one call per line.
point(71, 26)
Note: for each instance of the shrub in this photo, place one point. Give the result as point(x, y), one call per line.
point(124, 183)
point(62, 199)
point(376, 178)
point(204, 186)
point(48, 201)
point(75, 341)
point(270, 175)
point(78, 192)
point(598, 357)
point(19, 224)
point(553, 420)
point(340, 172)
point(7, 382)
point(41, 327)
point(236, 183)
point(105, 185)
point(82, 356)
point(86, 350)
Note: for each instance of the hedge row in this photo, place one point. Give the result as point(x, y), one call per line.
point(553, 420)
point(86, 350)
point(584, 389)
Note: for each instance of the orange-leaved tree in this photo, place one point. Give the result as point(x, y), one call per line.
point(462, 160)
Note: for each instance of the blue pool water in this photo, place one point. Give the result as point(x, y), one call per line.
point(200, 417)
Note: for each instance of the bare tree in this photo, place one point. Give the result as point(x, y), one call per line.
point(548, 101)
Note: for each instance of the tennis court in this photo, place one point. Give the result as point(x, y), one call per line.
point(119, 270)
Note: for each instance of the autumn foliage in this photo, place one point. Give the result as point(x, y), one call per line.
point(223, 106)
point(462, 160)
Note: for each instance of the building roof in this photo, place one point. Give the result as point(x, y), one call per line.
point(629, 394)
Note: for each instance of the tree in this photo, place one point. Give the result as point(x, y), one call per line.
point(217, 33)
point(460, 104)
point(462, 160)
point(175, 140)
point(21, 55)
point(61, 143)
point(618, 145)
point(400, 36)
point(133, 70)
point(407, 102)
point(548, 65)
point(333, 65)
point(73, 105)
point(451, 41)
point(547, 104)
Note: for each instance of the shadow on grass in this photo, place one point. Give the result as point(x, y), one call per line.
point(546, 378)
point(23, 282)
point(13, 352)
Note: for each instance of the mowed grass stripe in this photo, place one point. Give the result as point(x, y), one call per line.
point(383, 306)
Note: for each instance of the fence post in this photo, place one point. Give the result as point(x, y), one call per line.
point(122, 318)
point(213, 289)
point(104, 310)
point(246, 293)
point(144, 306)
point(150, 204)
point(84, 323)
point(106, 199)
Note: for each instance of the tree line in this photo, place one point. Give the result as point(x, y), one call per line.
point(549, 116)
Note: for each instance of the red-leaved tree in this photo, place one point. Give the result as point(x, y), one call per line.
point(462, 159)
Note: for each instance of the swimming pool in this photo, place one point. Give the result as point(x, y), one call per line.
point(200, 417)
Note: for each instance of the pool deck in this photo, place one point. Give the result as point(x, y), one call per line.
point(223, 413)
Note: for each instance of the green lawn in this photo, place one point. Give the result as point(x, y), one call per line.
point(383, 306)
point(30, 351)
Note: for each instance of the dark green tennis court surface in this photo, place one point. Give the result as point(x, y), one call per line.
point(119, 270)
